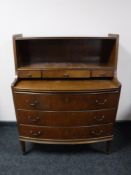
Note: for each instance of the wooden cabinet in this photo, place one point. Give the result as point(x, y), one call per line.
point(66, 91)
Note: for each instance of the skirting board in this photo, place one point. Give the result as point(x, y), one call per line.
point(7, 123)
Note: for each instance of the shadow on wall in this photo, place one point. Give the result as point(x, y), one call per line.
point(124, 76)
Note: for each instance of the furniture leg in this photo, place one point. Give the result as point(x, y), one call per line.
point(108, 147)
point(23, 146)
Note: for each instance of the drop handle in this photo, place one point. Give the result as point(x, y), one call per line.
point(66, 75)
point(101, 118)
point(38, 133)
point(29, 76)
point(33, 119)
point(34, 103)
point(97, 133)
point(104, 75)
point(101, 103)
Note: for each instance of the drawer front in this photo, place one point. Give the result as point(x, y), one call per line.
point(102, 73)
point(29, 74)
point(46, 118)
point(65, 133)
point(66, 74)
point(67, 102)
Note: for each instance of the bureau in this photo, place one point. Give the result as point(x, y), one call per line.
point(66, 90)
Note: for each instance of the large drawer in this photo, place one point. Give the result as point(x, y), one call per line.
point(65, 132)
point(67, 118)
point(66, 101)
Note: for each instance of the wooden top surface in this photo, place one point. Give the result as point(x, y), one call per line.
point(65, 85)
point(66, 38)
point(21, 37)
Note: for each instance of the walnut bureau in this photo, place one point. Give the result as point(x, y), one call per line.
point(66, 90)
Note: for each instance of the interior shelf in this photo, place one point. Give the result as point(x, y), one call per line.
point(68, 65)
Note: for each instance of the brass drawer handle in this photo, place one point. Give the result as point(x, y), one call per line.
point(101, 103)
point(29, 76)
point(38, 133)
point(66, 75)
point(101, 118)
point(103, 74)
point(97, 133)
point(34, 103)
point(33, 119)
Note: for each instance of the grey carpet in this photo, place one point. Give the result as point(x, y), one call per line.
point(65, 160)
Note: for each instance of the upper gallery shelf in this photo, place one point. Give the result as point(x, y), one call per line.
point(90, 53)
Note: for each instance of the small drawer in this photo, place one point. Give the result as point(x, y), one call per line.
point(65, 132)
point(102, 73)
point(66, 74)
point(29, 74)
point(66, 119)
point(66, 101)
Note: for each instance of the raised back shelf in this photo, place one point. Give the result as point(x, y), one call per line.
point(72, 53)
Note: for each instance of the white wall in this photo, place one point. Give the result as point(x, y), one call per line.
point(64, 18)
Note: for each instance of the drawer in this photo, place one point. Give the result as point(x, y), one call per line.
point(102, 73)
point(66, 119)
point(29, 74)
point(65, 102)
point(65, 132)
point(66, 74)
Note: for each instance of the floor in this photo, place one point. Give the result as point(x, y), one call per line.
point(65, 160)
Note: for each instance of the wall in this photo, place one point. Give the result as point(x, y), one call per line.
point(64, 18)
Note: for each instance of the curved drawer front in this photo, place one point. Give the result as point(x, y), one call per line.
point(84, 118)
point(56, 102)
point(65, 132)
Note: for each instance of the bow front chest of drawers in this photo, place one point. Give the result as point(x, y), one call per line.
point(66, 91)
